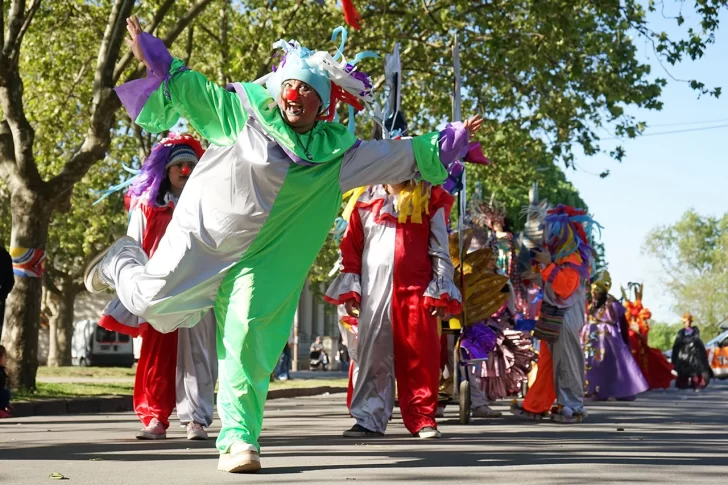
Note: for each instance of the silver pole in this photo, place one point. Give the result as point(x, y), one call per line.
point(457, 116)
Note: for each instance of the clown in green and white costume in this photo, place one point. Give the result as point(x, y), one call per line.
point(253, 217)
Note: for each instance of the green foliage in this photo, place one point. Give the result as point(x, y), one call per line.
point(58, 60)
point(78, 235)
point(546, 74)
point(694, 255)
point(662, 335)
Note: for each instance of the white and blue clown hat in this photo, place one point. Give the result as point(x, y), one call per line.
point(333, 77)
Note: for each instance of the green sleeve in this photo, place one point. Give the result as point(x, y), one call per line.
point(427, 155)
point(217, 114)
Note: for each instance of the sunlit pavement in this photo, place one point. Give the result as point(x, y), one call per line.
point(663, 437)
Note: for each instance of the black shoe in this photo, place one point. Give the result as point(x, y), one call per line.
point(358, 431)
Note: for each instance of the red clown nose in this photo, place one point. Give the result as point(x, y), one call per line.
point(185, 171)
point(291, 95)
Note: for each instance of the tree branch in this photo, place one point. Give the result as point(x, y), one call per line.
point(222, 74)
point(210, 33)
point(189, 45)
point(172, 36)
point(7, 150)
point(105, 102)
point(186, 19)
point(142, 147)
point(104, 106)
point(48, 279)
point(28, 19)
point(17, 19)
point(11, 98)
point(265, 66)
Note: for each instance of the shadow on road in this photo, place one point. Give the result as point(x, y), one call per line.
point(663, 429)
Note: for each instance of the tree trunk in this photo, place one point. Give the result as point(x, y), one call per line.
point(61, 328)
point(31, 216)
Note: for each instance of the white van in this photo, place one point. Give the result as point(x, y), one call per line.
point(93, 345)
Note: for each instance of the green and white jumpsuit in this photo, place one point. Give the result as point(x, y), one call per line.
point(252, 219)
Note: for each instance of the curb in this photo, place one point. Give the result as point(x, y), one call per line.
point(117, 404)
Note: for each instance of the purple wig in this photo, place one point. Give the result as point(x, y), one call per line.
point(146, 185)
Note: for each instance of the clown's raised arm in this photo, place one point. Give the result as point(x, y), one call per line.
point(170, 90)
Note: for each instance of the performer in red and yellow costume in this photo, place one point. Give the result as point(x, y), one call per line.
point(397, 269)
point(653, 364)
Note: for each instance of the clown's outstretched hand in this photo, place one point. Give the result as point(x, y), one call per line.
point(473, 124)
point(135, 30)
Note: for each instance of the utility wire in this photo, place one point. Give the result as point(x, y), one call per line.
point(671, 132)
point(686, 123)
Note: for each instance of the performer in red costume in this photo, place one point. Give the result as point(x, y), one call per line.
point(658, 371)
point(397, 270)
point(178, 368)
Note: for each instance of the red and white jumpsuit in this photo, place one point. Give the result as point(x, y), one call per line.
point(396, 270)
point(174, 369)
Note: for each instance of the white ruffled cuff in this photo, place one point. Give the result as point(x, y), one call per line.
point(344, 287)
point(440, 287)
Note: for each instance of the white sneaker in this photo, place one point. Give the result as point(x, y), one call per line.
point(428, 432)
point(195, 431)
point(93, 277)
point(240, 458)
point(155, 431)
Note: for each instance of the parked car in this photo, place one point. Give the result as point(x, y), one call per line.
point(95, 346)
point(718, 355)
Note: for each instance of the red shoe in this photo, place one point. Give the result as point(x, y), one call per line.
point(4, 414)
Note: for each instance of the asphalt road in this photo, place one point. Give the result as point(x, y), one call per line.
point(665, 437)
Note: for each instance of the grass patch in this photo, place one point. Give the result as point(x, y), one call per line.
point(76, 371)
point(306, 383)
point(46, 390)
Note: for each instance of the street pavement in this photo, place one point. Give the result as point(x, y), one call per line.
point(665, 437)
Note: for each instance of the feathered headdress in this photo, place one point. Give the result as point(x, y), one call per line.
point(566, 232)
point(333, 77)
point(637, 314)
point(488, 215)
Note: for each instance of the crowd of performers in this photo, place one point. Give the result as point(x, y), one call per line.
point(220, 243)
